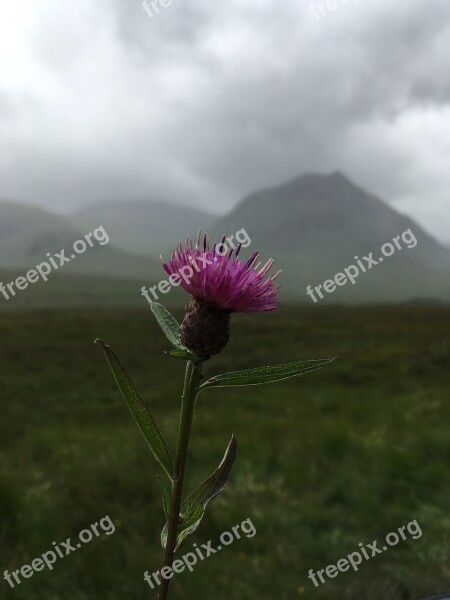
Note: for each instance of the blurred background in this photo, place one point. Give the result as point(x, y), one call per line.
point(320, 129)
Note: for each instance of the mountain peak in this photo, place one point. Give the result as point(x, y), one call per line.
point(311, 179)
point(339, 176)
point(316, 224)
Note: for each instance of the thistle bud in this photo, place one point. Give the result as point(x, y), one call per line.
point(206, 328)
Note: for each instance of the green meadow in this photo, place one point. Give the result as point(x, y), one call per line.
point(326, 461)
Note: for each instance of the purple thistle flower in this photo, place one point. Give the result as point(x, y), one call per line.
point(221, 279)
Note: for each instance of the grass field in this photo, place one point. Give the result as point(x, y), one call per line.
point(337, 457)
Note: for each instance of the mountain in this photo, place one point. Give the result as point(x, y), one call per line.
point(28, 233)
point(315, 225)
point(144, 227)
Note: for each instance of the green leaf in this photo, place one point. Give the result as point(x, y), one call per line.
point(193, 508)
point(169, 325)
point(139, 411)
point(185, 355)
point(265, 374)
point(165, 495)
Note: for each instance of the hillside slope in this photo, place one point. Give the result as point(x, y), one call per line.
point(315, 225)
point(144, 227)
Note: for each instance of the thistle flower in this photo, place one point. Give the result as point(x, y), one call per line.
point(220, 284)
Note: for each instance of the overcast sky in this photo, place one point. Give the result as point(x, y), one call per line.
point(207, 100)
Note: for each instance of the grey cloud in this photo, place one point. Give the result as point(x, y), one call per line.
point(209, 101)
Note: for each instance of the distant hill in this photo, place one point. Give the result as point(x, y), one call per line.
point(314, 226)
point(28, 233)
point(144, 227)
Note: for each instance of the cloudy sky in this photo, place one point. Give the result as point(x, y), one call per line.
point(206, 101)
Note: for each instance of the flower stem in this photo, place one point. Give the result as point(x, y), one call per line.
point(191, 383)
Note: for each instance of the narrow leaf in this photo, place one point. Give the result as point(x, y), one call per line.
point(165, 495)
point(139, 411)
point(193, 508)
point(265, 374)
point(168, 324)
point(185, 355)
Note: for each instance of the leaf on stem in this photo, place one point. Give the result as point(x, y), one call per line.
point(139, 411)
point(193, 508)
point(169, 325)
point(185, 355)
point(265, 374)
point(165, 495)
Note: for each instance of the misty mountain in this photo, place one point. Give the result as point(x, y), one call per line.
point(28, 233)
point(315, 225)
point(143, 227)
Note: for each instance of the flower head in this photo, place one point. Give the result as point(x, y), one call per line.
point(218, 277)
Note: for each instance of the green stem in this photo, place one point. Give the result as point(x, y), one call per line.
point(191, 383)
